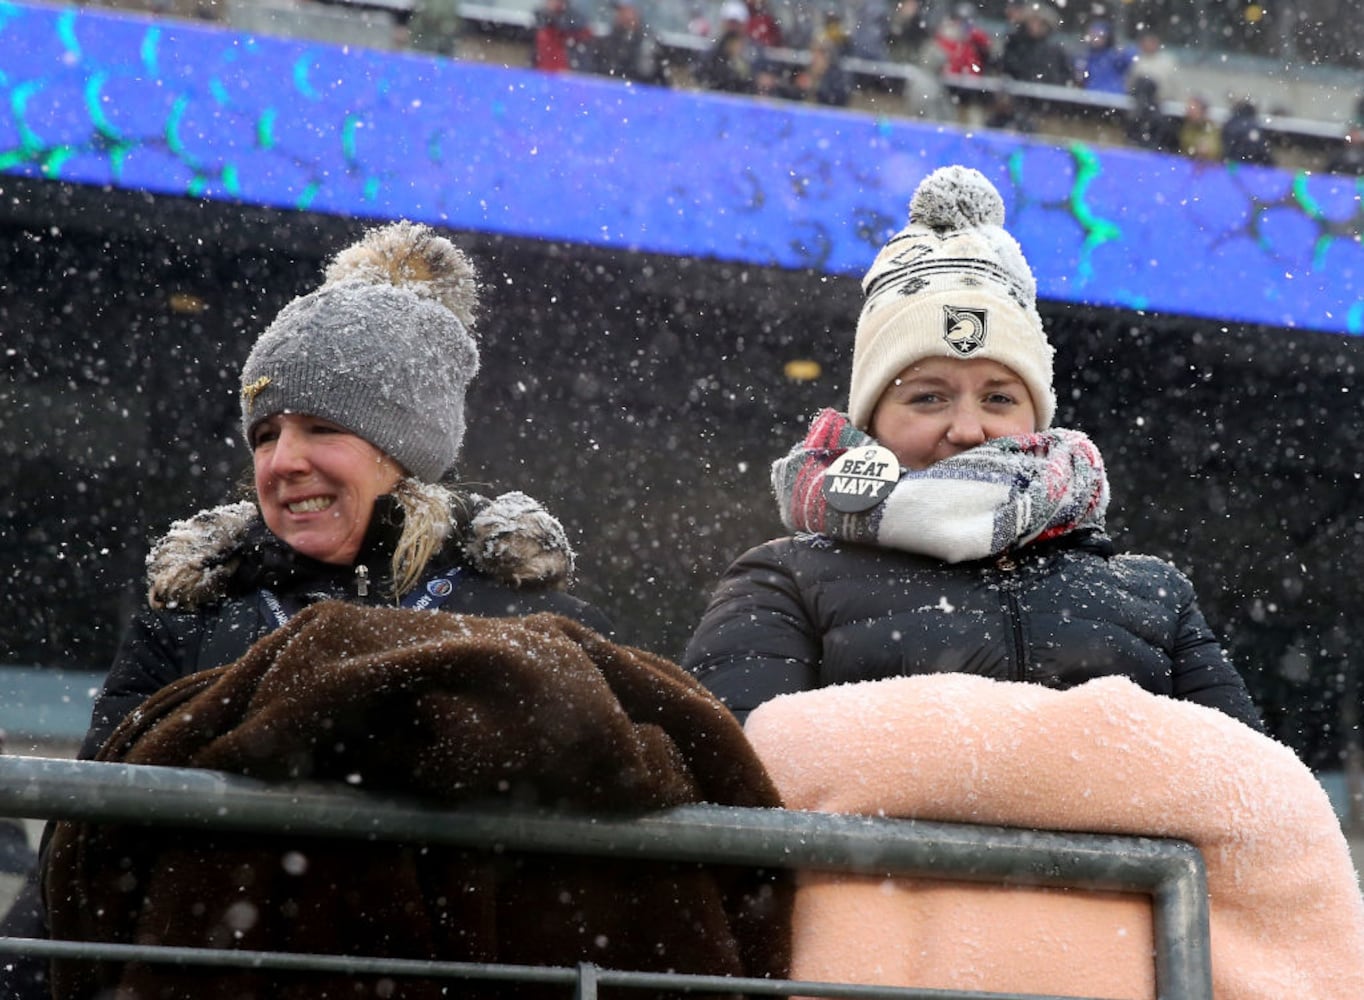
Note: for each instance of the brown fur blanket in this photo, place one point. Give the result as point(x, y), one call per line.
point(537, 710)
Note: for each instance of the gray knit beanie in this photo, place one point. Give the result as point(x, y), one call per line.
point(954, 284)
point(384, 348)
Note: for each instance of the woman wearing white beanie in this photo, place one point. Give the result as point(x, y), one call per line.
point(942, 525)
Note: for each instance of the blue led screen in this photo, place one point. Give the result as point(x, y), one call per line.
point(95, 98)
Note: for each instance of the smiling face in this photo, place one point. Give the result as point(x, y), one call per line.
point(316, 483)
point(940, 407)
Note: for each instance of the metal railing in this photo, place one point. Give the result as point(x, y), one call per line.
point(1172, 873)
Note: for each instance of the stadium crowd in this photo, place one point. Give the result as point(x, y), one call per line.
point(1021, 65)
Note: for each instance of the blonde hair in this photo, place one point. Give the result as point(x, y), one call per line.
point(429, 515)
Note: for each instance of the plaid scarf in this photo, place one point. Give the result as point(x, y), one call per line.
point(1004, 494)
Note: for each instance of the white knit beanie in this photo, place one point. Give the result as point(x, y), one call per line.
point(951, 284)
point(385, 349)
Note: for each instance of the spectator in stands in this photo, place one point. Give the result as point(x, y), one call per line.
point(434, 27)
point(562, 39)
point(800, 23)
point(309, 613)
point(822, 80)
point(868, 26)
point(734, 60)
point(773, 79)
point(1244, 139)
point(909, 32)
point(1348, 157)
point(964, 48)
point(1104, 64)
point(1147, 125)
point(698, 19)
point(763, 26)
point(1153, 61)
point(353, 408)
point(1199, 136)
point(1014, 10)
point(1032, 53)
point(942, 524)
point(835, 29)
point(910, 44)
point(1004, 112)
point(369, 454)
point(629, 50)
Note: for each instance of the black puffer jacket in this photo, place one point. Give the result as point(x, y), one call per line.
point(807, 612)
point(263, 578)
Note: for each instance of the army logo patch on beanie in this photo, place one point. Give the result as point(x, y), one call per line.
point(964, 329)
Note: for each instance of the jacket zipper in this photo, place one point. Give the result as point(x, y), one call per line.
point(362, 581)
point(1007, 567)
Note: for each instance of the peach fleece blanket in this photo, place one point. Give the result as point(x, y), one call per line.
point(1287, 918)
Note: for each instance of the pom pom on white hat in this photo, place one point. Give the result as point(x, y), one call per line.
point(953, 284)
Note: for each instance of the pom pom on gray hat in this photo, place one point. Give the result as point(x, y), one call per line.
point(385, 348)
point(953, 283)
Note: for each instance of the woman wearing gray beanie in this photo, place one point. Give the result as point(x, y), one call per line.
point(359, 624)
point(941, 525)
point(352, 403)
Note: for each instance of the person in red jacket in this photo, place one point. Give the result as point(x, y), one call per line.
point(563, 39)
point(763, 26)
point(966, 48)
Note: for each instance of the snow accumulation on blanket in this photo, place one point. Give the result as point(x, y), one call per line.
point(1287, 917)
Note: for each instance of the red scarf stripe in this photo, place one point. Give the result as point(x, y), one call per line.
point(807, 496)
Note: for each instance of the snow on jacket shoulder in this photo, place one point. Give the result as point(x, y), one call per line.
point(232, 579)
point(806, 612)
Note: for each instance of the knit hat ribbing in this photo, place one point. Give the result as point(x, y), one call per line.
point(954, 284)
point(384, 348)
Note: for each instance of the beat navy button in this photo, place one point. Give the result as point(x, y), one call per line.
point(860, 479)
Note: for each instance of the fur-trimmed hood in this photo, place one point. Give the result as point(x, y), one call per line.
point(511, 538)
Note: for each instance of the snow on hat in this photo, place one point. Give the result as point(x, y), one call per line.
point(953, 284)
point(385, 349)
